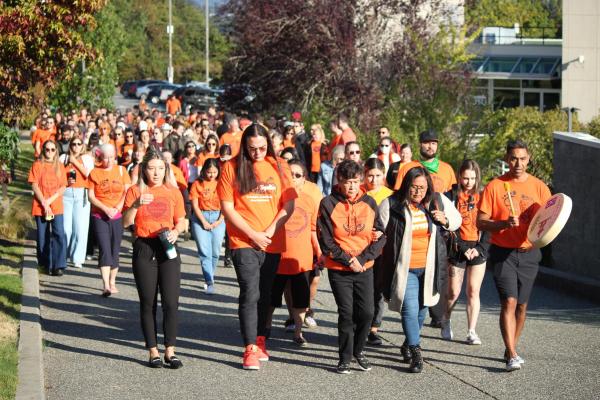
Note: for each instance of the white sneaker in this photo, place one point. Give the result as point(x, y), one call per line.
point(472, 338)
point(77, 265)
point(521, 361)
point(446, 331)
point(513, 364)
point(210, 289)
point(310, 322)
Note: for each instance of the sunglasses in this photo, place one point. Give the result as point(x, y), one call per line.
point(50, 149)
point(297, 175)
point(384, 145)
point(189, 146)
point(129, 136)
point(76, 144)
point(354, 152)
point(211, 144)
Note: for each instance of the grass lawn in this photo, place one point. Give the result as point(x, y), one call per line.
point(15, 221)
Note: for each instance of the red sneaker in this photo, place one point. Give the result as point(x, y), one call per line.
point(263, 355)
point(251, 361)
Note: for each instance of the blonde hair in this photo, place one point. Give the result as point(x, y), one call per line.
point(318, 128)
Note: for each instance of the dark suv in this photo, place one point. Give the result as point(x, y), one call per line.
point(196, 97)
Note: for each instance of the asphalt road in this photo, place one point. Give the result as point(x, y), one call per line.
point(94, 348)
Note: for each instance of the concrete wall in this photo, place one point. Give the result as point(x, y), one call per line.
point(581, 37)
point(577, 174)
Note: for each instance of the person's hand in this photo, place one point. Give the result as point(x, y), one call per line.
point(355, 265)
point(261, 240)
point(512, 221)
point(111, 212)
point(471, 254)
point(172, 236)
point(439, 217)
point(207, 226)
point(321, 260)
point(47, 210)
point(216, 223)
point(270, 231)
point(375, 235)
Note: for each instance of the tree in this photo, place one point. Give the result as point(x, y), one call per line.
point(146, 45)
point(9, 151)
point(93, 86)
point(40, 43)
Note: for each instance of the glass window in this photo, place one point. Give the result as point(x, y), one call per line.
point(542, 84)
point(545, 66)
point(525, 65)
point(551, 101)
point(505, 98)
point(507, 83)
point(500, 65)
point(532, 99)
point(476, 63)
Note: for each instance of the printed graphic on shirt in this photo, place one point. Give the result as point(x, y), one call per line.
point(297, 223)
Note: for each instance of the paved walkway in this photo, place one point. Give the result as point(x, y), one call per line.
point(94, 348)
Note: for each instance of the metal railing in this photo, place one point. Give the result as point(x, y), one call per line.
point(497, 35)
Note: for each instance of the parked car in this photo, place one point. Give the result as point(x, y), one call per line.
point(196, 96)
point(125, 87)
point(144, 89)
point(160, 92)
point(132, 89)
point(238, 97)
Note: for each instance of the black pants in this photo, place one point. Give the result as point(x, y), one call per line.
point(109, 233)
point(353, 293)
point(437, 312)
point(153, 271)
point(255, 272)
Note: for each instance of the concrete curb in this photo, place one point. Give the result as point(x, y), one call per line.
point(31, 362)
point(575, 285)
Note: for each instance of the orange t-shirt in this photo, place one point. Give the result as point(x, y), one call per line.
point(233, 139)
point(41, 135)
point(442, 180)
point(420, 238)
point(347, 136)
point(527, 196)
point(173, 105)
point(259, 206)
point(467, 207)
point(179, 177)
point(165, 210)
point(127, 154)
point(298, 256)
point(206, 193)
point(334, 142)
point(42, 173)
point(202, 157)
point(108, 185)
point(288, 143)
point(80, 180)
point(315, 149)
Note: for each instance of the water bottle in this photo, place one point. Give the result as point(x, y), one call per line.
point(168, 246)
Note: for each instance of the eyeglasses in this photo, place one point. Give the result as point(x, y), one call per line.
point(50, 149)
point(418, 189)
point(189, 146)
point(260, 149)
point(76, 144)
point(297, 175)
point(354, 152)
point(384, 145)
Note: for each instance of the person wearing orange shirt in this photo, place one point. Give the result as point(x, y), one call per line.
point(512, 258)
point(41, 135)
point(467, 254)
point(207, 222)
point(257, 198)
point(297, 261)
point(232, 137)
point(48, 180)
point(442, 174)
point(315, 152)
point(173, 105)
point(413, 262)
point(210, 150)
point(155, 207)
point(78, 165)
point(347, 135)
point(108, 184)
point(405, 158)
point(351, 237)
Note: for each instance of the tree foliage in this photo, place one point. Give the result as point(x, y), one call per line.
point(40, 43)
point(93, 83)
point(9, 145)
point(146, 46)
point(529, 14)
point(534, 127)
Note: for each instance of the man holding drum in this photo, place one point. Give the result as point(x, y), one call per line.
point(507, 207)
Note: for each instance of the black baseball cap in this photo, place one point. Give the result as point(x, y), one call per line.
point(428, 136)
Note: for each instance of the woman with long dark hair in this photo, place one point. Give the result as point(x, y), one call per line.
point(415, 255)
point(155, 206)
point(48, 180)
point(257, 198)
point(207, 221)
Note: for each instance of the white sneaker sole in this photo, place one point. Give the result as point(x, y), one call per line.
point(250, 367)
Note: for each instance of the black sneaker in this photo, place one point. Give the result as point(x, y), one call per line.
point(228, 262)
point(58, 272)
point(435, 324)
point(405, 351)
point(173, 362)
point(343, 368)
point(416, 363)
point(374, 339)
point(363, 362)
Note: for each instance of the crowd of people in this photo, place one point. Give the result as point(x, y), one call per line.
point(286, 205)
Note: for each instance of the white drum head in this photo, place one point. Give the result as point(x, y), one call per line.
point(549, 220)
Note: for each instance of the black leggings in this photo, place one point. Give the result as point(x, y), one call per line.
point(153, 271)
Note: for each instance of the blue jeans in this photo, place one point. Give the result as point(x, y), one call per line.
point(208, 243)
point(413, 311)
point(76, 222)
point(51, 243)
